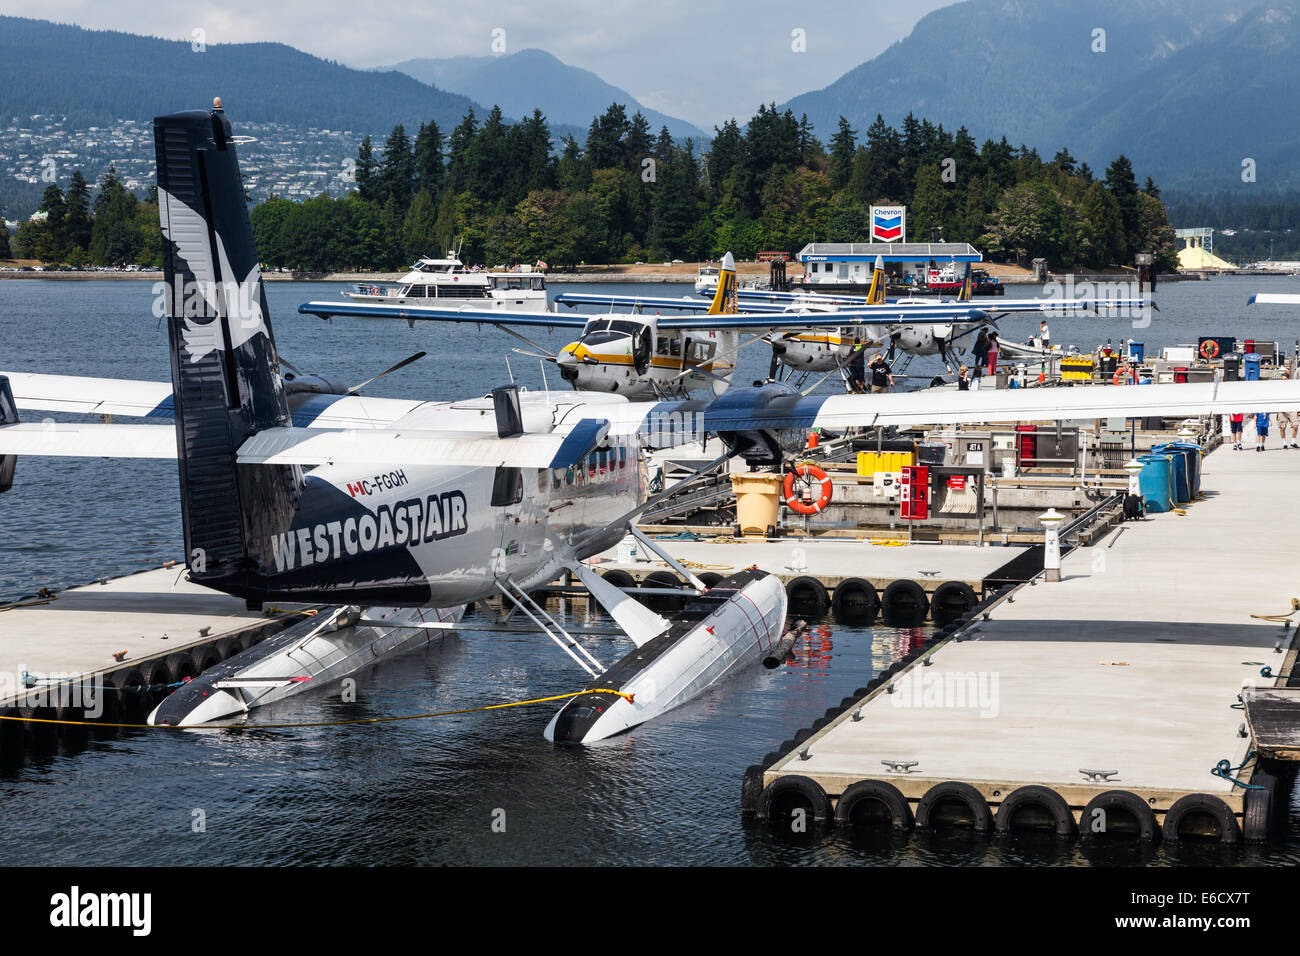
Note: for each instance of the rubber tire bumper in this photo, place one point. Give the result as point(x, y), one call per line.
point(955, 790)
point(1229, 831)
point(1063, 825)
point(904, 604)
point(855, 602)
point(1148, 830)
point(882, 792)
point(796, 784)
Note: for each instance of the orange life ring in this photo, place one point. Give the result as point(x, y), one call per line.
point(1121, 374)
point(1209, 349)
point(797, 502)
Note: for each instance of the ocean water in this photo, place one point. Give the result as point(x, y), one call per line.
point(429, 791)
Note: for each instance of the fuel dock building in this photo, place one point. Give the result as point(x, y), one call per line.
point(846, 266)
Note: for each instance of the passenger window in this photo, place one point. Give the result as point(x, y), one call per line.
point(507, 487)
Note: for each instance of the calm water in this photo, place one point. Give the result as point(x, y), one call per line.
point(426, 791)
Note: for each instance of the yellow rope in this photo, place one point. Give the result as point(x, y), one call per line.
point(1280, 618)
point(320, 723)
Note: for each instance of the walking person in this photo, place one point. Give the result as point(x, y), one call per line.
point(858, 370)
point(981, 352)
point(1290, 420)
point(993, 353)
point(1261, 430)
point(882, 378)
point(1237, 422)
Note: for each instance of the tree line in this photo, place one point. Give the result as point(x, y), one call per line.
point(117, 228)
point(509, 193)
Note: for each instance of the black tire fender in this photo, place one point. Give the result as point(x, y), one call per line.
point(1176, 815)
point(1063, 825)
point(880, 791)
point(1148, 830)
point(807, 597)
point(855, 601)
point(904, 604)
point(951, 600)
point(954, 790)
point(800, 786)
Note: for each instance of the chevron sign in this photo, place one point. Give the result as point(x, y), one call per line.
point(888, 223)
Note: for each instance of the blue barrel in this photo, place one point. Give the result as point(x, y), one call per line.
point(1182, 469)
point(1194, 452)
point(1137, 351)
point(1250, 366)
point(1155, 481)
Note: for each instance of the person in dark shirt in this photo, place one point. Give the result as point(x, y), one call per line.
point(963, 379)
point(882, 378)
point(858, 370)
point(981, 352)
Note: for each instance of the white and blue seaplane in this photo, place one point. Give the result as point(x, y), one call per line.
point(412, 509)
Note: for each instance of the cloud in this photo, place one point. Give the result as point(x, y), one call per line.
point(703, 63)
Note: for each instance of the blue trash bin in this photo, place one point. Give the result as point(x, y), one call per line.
point(1155, 482)
point(1137, 352)
point(1250, 366)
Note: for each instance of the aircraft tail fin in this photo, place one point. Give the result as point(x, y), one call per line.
point(8, 416)
point(225, 370)
point(967, 286)
point(724, 299)
point(876, 294)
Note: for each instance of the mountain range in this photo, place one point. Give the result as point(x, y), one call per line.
point(520, 82)
point(1185, 88)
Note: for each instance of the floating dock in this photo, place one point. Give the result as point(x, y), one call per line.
point(118, 642)
point(1108, 702)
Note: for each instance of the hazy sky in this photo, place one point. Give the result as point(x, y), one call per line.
point(702, 62)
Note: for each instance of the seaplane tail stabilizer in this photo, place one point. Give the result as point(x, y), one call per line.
point(724, 299)
point(637, 621)
point(876, 294)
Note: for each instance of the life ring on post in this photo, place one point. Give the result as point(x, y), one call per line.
point(797, 502)
point(1209, 349)
point(1122, 374)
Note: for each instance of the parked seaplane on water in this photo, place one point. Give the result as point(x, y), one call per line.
point(412, 509)
point(639, 355)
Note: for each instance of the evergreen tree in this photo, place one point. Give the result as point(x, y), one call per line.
point(1123, 186)
point(54, 241)
point(461, 160)
point(605, 138)
point(843, 145)
point(397, 172)
point(429, 169)
point(367, 171)
point(78, 217)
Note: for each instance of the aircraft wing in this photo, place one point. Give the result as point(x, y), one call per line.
point(88, 440)
point(642, 303)
point(130, 398)
point(666, 424)
point(1274, 298)
point(315, 446)
point(442, 313)
point(415, 446)
point(861, 315)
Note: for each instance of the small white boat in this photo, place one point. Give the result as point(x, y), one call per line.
point(448, 282)
point(736, 623)
point(318, 650)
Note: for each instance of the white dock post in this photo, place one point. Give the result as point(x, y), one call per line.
point(1051, 521)
point(1134, 469)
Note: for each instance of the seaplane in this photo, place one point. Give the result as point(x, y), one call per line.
point(915, 325)
point(639, 355)
point(426, 506)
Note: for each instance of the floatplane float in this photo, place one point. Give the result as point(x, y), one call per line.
point(424, 505)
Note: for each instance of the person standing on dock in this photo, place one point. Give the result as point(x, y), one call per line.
point(882, 378)
point(1238, 424)
point(1261, 430)
point(993, 353)
point(981, 352)
point(1290, 420)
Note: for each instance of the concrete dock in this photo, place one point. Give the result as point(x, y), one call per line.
point(1130, 667)
point(166, 626)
